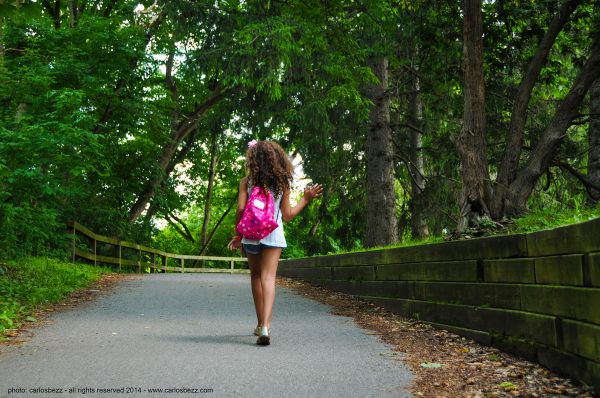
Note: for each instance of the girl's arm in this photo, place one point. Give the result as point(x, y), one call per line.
point(288, 212)
point(236, 241)
point(242, 199)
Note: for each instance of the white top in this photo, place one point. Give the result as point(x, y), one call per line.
point(277, 237)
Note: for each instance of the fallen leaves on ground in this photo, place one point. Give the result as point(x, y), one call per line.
point(445, 364)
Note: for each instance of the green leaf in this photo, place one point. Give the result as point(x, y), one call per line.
point(507, 386)
point(431, 365)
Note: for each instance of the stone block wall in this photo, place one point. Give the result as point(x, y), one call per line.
point(536, 295)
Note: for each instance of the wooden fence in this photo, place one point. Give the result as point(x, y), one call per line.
point(128, 254)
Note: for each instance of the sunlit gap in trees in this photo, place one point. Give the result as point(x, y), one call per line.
point(186, 185)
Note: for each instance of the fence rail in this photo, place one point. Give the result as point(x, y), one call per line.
point(157, 260)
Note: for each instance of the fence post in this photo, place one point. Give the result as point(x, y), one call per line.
point(118, 253)
point(139, 261)
point(153, 260)
point(73, 244)
point(95, 260)
point(231, 267)
point(181, 259)
point(164, 263)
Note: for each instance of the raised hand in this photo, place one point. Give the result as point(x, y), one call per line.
point(234, 244)
point(313, 191)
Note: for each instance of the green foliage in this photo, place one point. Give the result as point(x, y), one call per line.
point(55, 168)
point(30, 283)
point(86, 109)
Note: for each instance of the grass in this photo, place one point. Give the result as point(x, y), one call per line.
point(432, 239)
point(548, 219)
point(29, 284)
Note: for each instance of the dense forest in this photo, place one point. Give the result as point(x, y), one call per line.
point(419, 118)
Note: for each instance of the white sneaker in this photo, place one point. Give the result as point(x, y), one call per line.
point(264, 337)
point(257, 331)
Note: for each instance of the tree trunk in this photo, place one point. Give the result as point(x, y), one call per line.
point(471, 144)
point(2, 44)
point(54, 11)
point(381, 228)
point(515, 201)
point(180, 227)
point(21, 110)
point(209, 189)
point(512, 152)
point(109, 8)
point(418, 218)
point(594, 143)
point(219, 222)
point(72, 13)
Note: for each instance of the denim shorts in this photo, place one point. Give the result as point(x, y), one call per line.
point(255, 249)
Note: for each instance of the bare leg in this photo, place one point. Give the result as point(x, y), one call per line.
point(257, 294)
point(268, 268)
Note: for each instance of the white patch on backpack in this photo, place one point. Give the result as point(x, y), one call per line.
point(258, 204)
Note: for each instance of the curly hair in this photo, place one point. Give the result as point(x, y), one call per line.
point(269, 167)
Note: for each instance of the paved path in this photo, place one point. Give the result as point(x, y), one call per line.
point(194, 331)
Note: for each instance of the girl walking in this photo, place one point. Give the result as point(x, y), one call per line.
point(269, 167)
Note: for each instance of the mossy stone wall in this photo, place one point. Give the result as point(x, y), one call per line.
point(536, 295)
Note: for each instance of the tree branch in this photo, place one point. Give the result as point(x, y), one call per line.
point(589, 185)
point(410, 126)
point(512, 153)
point(166, 157)
point(407, 162)
point(545, 150)
point(212, 233)
point(172, 86)
point(187, 234)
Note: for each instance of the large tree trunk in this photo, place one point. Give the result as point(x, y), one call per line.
point(515, 201)
point(476, 188)
point(381, 228)
point(418, 218)
point(512, 152)
point(594, 143)
point(209, 189)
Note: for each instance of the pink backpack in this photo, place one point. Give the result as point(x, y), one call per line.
point(258, 217)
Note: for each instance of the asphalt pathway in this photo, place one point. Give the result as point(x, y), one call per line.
point(191, 335)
